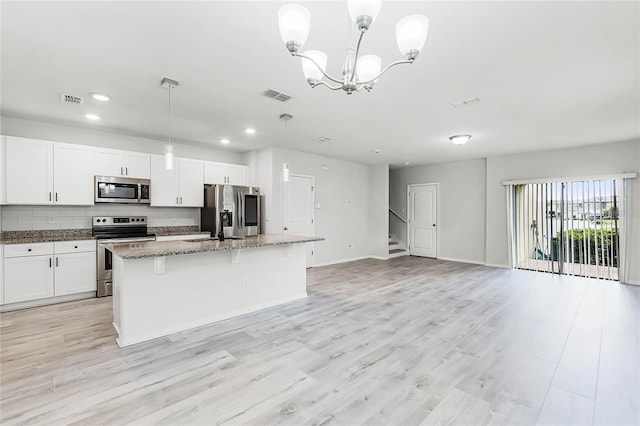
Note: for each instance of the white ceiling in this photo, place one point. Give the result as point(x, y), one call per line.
point(549, 75)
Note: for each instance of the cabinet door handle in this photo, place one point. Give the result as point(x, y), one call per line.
point(180, 200)
point(28, 249)
point(49, 195)
point(177, 200)
point(126, 171)
point(49, 262)
point(75, 246)
point(121, 171)
point(56, 197)
point(56, 261)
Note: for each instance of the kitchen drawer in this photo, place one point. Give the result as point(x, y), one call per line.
point(74, 246)
point(20, 250)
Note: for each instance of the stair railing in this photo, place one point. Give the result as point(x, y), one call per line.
point(397, 215)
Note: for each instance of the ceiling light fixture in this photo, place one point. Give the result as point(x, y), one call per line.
point(168, 148)
point(460, 139)
point(357, 73)
point(250, 131)
point(225, 141)
point(102, 97)
point(92, 117)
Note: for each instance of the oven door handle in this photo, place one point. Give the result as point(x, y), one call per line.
point(126, 240)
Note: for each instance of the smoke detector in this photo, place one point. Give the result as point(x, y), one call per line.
point(66, 98)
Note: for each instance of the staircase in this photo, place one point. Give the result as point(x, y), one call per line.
point(396, 247)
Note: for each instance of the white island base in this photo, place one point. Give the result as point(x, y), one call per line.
point(159, 296)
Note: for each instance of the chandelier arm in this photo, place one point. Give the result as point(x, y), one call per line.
point(324, 83)
point(355, 61)
point(317, 66)
point(393, 64)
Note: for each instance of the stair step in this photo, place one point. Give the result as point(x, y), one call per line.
point(394, 251)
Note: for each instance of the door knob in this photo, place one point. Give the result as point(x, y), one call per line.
point(286, 229)
point(434, 224)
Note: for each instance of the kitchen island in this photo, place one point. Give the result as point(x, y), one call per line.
point(163, 287)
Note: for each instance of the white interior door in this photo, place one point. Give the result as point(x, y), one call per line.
point(423, 230)
point(297, 197)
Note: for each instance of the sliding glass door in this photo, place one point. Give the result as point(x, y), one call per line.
point(567, 227)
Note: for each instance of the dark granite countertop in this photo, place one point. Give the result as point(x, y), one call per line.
point(171, 248)
point(45, 236)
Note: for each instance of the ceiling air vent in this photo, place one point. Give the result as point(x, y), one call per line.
point(70, 99)
point(465, 103)
point(273, 94)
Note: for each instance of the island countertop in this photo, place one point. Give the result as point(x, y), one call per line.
point(141, 250)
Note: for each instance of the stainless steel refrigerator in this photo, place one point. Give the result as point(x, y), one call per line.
point(233, 209)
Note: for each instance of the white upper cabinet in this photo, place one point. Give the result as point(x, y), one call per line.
point(190, 182)
point(29, 171)
point(180, 187)
point(111, 162)
point(221, 173)
point(3, 174)
point(72, 174)
point(42, 172)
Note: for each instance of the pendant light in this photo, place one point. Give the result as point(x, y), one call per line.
point(168, 148)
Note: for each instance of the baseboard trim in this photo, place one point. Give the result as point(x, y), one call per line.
point(633, 282)
point(335, 262)
point(454, 259)
point(47, 301)
point(495, 265)
point(379, 257)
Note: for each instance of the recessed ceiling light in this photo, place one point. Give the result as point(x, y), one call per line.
point(460, 139)
point(250, 131)
point(92, 117)
point(322, 139)
point(102, 97)
point(406, 163)
point(376, 151)
point(224, 140)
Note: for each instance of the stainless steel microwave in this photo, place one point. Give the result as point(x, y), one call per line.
point(114, 189)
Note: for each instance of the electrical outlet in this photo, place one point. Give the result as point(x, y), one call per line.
point(174, 218)
point(52, 219)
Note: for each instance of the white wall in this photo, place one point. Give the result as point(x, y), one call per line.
point(592, 160)
point(12, 126)
point(461, 210)
point(379, 211)
point(25, 218)
point(343, 191)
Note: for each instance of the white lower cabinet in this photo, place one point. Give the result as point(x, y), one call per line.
point(28, 278)
point(75, 273)
point(44, 270)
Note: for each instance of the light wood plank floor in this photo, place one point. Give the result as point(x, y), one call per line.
point(406, 341)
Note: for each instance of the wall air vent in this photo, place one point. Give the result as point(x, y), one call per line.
point(278, 96)
point(70, 99)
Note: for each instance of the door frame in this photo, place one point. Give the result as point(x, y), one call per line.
point(415, 185)
point(313, 210)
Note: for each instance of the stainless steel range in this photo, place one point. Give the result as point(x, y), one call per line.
point(112, 230)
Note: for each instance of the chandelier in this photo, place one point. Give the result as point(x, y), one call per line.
point(357, 72)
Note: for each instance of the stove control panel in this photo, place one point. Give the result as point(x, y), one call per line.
point(119, 221)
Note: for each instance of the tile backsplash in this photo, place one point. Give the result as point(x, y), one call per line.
point(23, 218)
